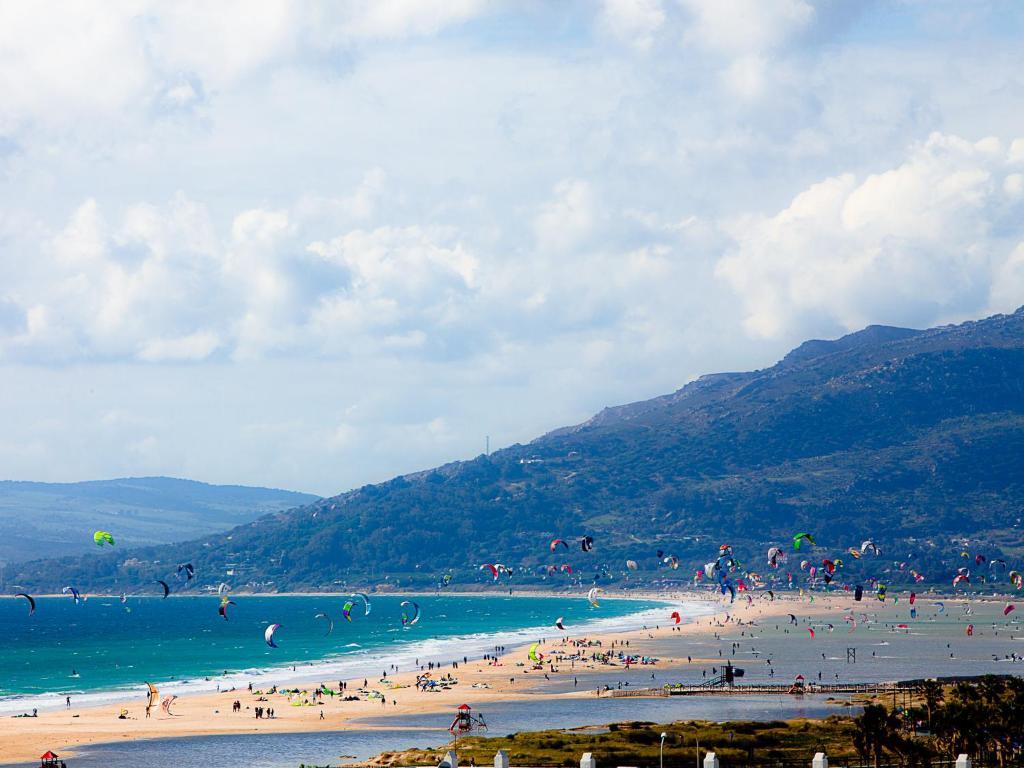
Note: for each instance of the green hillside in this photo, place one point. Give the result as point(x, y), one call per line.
point(912, 438)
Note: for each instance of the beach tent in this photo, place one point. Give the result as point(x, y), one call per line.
point(49, 758)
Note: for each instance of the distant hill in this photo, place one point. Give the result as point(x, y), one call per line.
point(53, 519)
point(912, 438)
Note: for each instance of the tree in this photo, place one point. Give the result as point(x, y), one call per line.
point(876, 729)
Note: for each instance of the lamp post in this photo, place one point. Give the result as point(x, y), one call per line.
point(698, 751)
point(661, 751)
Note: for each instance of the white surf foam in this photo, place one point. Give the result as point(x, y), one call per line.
point(358, 663)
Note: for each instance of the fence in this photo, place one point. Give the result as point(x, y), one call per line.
point(501, 760)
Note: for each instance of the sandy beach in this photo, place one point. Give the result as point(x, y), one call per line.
point(510, 678)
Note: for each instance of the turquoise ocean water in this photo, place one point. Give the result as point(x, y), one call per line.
point(101, 647)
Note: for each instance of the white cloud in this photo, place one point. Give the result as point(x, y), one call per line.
point(636, 22)
point(61, 62)
point(389, 19)
point(923, 242)
point(381, 214)
point(745, 27)
point(99, 291)
point(745, 76)
point(567, 218)
point(40, 46)
point(196, 346)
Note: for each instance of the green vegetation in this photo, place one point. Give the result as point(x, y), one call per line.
point(637, 743)
point(981, 719)
point(912, 438)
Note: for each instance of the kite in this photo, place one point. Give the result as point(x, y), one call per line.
point(800, 538)
point(167, 590)
point(366, 598)
point(102, 538)
point(165, 705)
point(223, 609)
point(268, 635)
point(330, 621)
point(31, 602)
point(406, 621)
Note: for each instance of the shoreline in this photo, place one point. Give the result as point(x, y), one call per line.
point(208, 712)
point(339, 665)
point(479, 684)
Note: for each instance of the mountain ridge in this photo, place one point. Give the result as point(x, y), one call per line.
point(59, 518)
point(910, 437)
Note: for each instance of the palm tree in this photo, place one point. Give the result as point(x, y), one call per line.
point(932, 692)
point(875, 730)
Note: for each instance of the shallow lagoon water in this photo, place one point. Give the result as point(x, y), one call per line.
point(513, 716)
point(428, 730)
point(932, 645)
point(286, 750)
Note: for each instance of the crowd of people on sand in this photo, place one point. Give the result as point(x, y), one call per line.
point(565, 655)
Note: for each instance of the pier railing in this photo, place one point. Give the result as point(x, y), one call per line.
point(714, 688)
point(710, 760)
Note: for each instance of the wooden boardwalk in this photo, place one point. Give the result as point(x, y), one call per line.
point(762, 689)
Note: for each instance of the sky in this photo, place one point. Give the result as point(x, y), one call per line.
point(314, 245)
